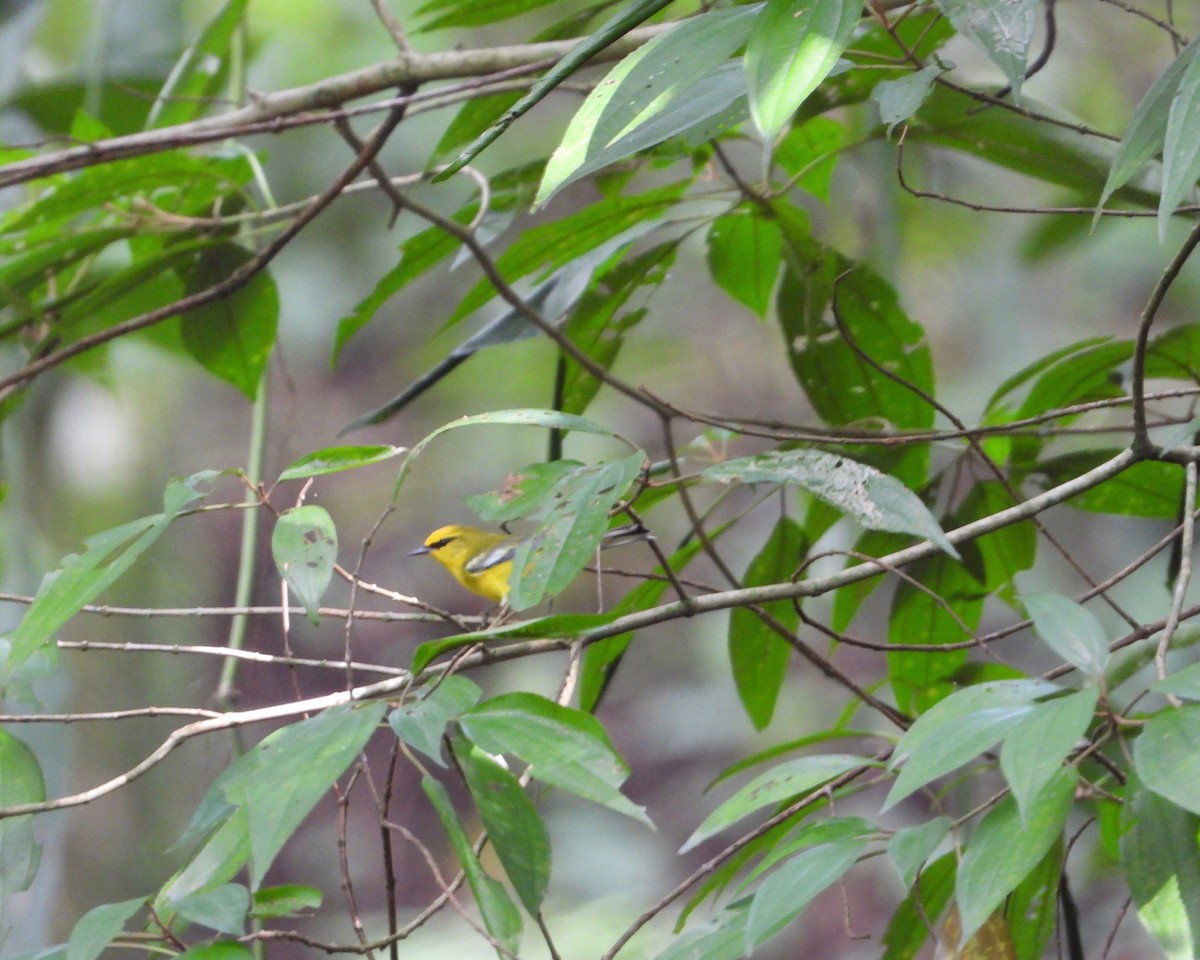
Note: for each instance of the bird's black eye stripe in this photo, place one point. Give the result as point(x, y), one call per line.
point(441, 543)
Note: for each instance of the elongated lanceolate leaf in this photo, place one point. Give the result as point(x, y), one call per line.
point(864, 494)
point(1181, 147)
point(792, 48)
point(672, 83)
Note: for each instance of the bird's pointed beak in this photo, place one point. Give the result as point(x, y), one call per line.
point(418, 552)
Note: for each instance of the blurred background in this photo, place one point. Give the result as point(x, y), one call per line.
point(91, 448)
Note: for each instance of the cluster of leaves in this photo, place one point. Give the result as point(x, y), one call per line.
point(120, 248)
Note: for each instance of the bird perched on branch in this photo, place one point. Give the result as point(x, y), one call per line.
point(481, 560)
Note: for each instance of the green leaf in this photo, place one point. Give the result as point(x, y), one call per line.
point(615, 28)
point(1150, 489)
point(597, 325)
point(613, 221)
point(934, 607)
point(722, 938)
point(786, 780)
point(842, 387)
point(20, 782)
point(514, 828)
point(259, 801)
point(1182, 683)
point(563, 747)
point(223, 908)
point(83, 577)
point(1181, 148)
point(1161, 859)
point(304, 545)
point(560, 625)
point(499, 913)
point(97, 928)
point(422, 723)
point(1070, 630)
point(1034, 749)
point(1167, 755)
point(418, 254)
point(787, 891)
point(899, 99)
point(959, 728)
point(288, 900)
point(1003, 850)
point(223, 950)
point(1146, 133)
point(675, 81)
point(469, 13)
point(1032, 908)
point(200, 71)
point(232, 337)
point(808, 153)
point(911, 922)
point(744, 253)
point(757, 654)
point(572, 520)
point(911, 847)
point(1026, 144)
point(792, 48)
point(867, 496)
point(1003, 29)
point(336, 459)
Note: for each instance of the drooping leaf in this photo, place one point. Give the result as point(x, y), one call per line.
point(1167, 755)
point(1003, 29)
point(1031, 911)
point(21, 782)
point(940, 605)
point(1161, 858)
point(255, 806)
point(744, 253)
point(1003, 850)
point(97, 928)
point(572, 520)
point(304, 545)
point(1071, 630)
point(637, 12)
point(1034, 749)
point(910, 924)
point(787, 891)
point(1181, 148)
point(500, 914)
point(231, 337)
point(82, 577)
point(757, 654)
point(200, 70)
point(959, 728)
point(792, 48)
point(563, 747)
point(666, 86)
point(421, 723)
point(1146, 133)
point(515, 829)
point(910, 848)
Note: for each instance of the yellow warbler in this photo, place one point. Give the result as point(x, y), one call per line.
point(482, 560)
